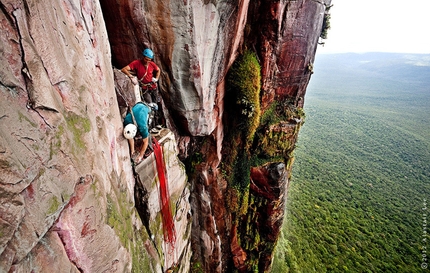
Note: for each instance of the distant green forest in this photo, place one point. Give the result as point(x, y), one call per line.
point(359, 192)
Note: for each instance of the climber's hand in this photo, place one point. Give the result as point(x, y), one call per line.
point(154, 80)
point(134, 81)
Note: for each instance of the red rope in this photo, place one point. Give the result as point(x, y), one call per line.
point(166, 214)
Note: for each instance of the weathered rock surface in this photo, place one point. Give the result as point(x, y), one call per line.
point(61, 148)
point(194, 43)
point(67, 188)
point(163, 254)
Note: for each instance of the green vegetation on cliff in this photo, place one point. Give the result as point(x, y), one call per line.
point(253, 139)
point(243, 103)
point(243, 115)
point(359, 193)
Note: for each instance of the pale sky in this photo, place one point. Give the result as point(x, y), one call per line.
point(378, 26)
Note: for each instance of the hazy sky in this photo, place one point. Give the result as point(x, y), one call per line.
point(379, 26)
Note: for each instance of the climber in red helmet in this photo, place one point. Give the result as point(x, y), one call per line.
point(147, 73)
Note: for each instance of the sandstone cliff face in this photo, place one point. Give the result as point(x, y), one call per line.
point(61, 153)
point(68, 192)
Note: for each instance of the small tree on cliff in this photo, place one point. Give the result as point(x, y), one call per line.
point(326, 23)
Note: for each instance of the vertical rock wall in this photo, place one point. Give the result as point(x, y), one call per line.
point(194, 43)
point(65, 172)
point(165, 255)
point(285, 34)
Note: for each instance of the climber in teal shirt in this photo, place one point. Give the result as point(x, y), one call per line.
point(141, 114)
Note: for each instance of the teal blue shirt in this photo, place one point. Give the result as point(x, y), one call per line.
point(140, 112)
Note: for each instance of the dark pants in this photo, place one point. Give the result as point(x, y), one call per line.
point(150, 95)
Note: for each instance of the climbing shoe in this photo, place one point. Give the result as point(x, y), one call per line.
point(147, 153)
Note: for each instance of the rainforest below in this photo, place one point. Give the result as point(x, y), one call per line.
point(359, 192)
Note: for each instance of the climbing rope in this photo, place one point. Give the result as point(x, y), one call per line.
point(166, 213)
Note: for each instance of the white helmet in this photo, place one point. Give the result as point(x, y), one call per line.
point(130, 131)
